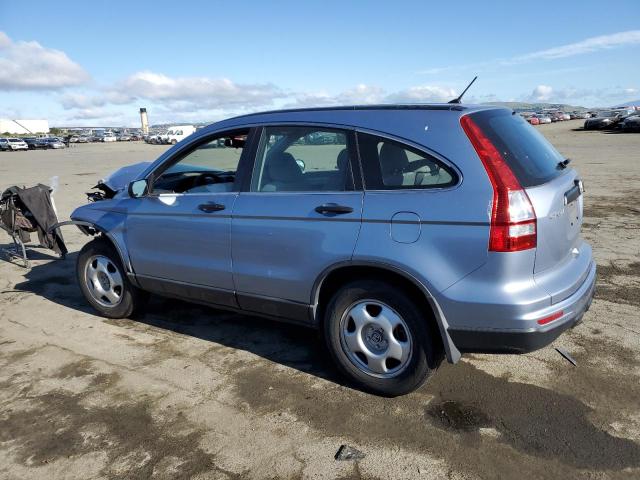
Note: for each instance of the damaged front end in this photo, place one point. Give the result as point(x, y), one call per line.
point(105, 213)
point(116, 182)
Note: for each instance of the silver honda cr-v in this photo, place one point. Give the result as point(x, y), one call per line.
point(405, 233)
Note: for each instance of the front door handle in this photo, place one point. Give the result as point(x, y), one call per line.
point(211, 207)
point(333, 208)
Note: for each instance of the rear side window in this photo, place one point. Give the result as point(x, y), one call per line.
point(530, 156)
point(391, 165)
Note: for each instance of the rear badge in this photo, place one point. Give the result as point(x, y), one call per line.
point(557, 214)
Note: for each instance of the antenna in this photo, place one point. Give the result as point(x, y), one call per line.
point(458, 100)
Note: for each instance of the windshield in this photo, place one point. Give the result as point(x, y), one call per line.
point(15, 140)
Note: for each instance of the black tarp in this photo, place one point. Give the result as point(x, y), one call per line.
point(34, 204)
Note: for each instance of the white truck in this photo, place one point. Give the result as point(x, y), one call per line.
point(109, 137)
point(177, 133)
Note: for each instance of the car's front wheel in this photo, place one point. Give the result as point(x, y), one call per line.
point(104, 282)
point(379, 338)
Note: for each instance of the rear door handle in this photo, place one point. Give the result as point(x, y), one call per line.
point(333, 208)
point(211, 207)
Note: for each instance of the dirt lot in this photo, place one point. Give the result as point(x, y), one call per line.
point(190, 392)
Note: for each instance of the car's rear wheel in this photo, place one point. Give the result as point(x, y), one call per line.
point(380, 339)
point(104, 283)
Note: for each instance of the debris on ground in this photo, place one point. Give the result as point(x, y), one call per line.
point(345, 453)
point(566, 355)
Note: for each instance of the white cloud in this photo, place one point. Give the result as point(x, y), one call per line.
point(359, 95)
point(169, 98)
point(542, 93)
point(30, 66)
point(423, 93)
point(369, 94)
point(203, 92)
point(588, 45)
point(590, 97)
point(81, 101)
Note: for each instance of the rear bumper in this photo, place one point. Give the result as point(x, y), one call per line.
point(523, 341)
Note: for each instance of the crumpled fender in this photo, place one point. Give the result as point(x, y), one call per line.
point(104, 218)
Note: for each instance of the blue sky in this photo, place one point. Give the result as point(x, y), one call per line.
point(90, 63)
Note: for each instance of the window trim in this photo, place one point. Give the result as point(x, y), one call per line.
point(354, 160)
point(178, 155)
point(413, 146)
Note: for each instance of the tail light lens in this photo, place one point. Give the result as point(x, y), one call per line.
point(513, 220)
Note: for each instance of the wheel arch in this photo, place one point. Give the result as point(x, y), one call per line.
point(93, 229)
point(332, 278)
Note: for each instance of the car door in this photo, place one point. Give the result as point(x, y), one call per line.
point(178, 234)
point(300, 214)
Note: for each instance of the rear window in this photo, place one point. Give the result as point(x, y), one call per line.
point(531, 157)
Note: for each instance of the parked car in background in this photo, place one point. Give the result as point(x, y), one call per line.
point(631, 123)
point(604, 120)
point(158, 138)
point(35, 143)
point(543, 118)
point(73, 139)
point(533, 120)
point(123, 137)
point(83, 139)
point(54, 142)
point(13, 144)
point(380, 238)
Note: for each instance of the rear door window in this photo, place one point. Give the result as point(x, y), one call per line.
point(303, 159)
point(391, 165)
point(530, 156)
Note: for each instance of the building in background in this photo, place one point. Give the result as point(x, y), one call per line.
point(144, 120)
point(18, 127)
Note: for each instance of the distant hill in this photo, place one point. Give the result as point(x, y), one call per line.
point(634, 103)
point(535, 107)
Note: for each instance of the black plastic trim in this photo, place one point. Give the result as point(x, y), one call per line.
point(293, 311)
point(500, 341)
point(187, 291)
point(483, 341)
point(272, 308)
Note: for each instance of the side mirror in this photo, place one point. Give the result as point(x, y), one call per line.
point(138, 188)
point(301, 164)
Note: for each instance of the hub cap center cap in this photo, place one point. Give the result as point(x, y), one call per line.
point(103, 278)
point(375, 338)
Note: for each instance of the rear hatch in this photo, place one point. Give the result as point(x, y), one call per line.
point(555, 192)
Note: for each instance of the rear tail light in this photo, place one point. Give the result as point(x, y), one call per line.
point(513, 220)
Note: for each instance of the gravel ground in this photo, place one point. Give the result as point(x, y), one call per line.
point(191, 392)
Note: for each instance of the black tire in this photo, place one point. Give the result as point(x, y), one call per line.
point(426, 352)
point(132, 299)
